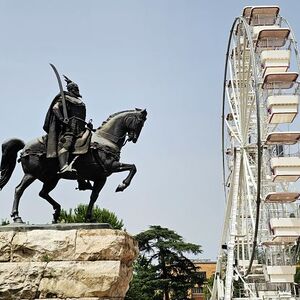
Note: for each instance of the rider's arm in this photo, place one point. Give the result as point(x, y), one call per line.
point(57, 112)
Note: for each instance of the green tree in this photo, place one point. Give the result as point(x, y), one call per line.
point(295, 259)
point(297, 275)
point(143, 283)
point(163, 270)
point(4, 222)
point(101, 215)
point(208, 286)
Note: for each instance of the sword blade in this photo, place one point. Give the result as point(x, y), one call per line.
point(65, 112)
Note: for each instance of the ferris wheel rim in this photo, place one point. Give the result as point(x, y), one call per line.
point(241, 20)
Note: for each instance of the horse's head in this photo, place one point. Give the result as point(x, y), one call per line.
point(134, 123)
point(123, 124)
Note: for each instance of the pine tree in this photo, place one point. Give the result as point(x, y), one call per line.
point(163, 271)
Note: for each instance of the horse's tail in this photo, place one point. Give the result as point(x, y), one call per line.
point(10, 151)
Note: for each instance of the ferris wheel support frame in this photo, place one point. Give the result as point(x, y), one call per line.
point(240, 92)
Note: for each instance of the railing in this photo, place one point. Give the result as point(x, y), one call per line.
point(265, 20)
point(271, 43)
point(291, 210)
point(277, 88)
point(273, 287)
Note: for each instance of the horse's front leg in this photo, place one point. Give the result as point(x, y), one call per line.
point(97, 187)
point(120, 167)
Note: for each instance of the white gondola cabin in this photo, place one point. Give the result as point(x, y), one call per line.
point(285, 229)
point(280, 274)
point(282, 108)
point(281, 197)
point(247, 12)
point(283, 137)
point(270, 37)
point(262, 15)
point(278, 80)
point(275, 61)
point(285, 169)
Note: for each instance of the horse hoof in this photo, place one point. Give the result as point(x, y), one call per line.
point(121, 187)
point(18, 220)
point(90, 221)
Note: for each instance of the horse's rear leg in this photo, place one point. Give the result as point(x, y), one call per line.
point(25, 182)
point(44, 193)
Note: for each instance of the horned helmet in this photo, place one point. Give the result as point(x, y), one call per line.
point(72, 87)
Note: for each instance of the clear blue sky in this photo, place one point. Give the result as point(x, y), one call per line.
point(166, 56)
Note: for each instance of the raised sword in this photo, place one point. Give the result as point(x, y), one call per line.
point(64, 105)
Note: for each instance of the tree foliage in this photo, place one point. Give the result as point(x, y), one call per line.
point(163, 271)
point(101, 215)
point(4, 222)
point(297, 275)
point(144, 284)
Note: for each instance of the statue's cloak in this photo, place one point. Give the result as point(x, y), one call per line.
point(52, 126)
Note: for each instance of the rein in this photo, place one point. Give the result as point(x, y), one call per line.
point(79, 119)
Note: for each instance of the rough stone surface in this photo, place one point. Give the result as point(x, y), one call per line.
point(82, 264)
point(39, 245)
point(5, 245)
point(113, 245)
point(20, 280)
point(84, 279)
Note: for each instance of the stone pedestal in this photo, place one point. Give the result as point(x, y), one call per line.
point(66, 261)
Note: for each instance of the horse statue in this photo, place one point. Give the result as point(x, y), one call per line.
point(94, 160)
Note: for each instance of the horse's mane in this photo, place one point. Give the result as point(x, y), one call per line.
point(113, 115)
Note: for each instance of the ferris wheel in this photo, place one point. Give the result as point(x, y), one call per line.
point(261, 163)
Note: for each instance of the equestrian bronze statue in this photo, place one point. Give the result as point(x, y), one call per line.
point(72, 150)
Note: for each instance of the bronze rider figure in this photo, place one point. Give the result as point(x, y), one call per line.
point(63, 132)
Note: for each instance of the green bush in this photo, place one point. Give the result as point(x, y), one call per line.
point(100, 215)
point(4, 222)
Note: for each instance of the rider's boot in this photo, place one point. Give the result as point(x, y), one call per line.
point(65, 168)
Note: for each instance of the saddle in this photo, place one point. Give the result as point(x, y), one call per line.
point(38, 145)
point(82, 143)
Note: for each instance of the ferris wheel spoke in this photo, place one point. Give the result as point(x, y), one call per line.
point(234, 112)
point(249, 171)
point(236, 83)
point(248, 192)
point(251, 111)
point(241, 76)
point(232, 132)
point(235, 95)
point(248, 107)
